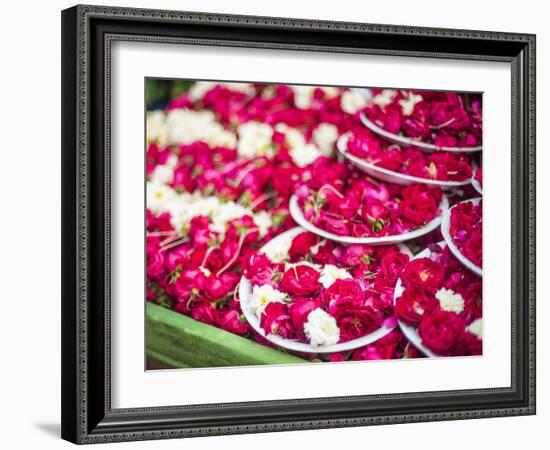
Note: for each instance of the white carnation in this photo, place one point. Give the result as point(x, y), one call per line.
point(352, 102)
point(264, 295)
point(330, 273)
point(159, 196)
point(325, 136)
point(263, 221)
point(277, 251)
point(163, 174)
point(255, 139)
point(450, 300)
point(303, 96)
point(407, 104)
point(476, 328)
point(156, 127)
point(384, 98)
point(303, 156)
point(321, 328)
point(185, 126)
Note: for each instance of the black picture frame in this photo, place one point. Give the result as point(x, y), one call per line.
point(87, 33)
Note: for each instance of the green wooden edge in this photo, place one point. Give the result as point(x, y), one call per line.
point(180, 341)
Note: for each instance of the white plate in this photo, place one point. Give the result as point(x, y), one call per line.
point(410, 331)
point(245, 291)
point(403, 140)
point(298, 216)
point(389, 175)
point(445, 225)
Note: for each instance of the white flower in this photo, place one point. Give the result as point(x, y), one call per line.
point(330, 91)
point(226, 212)
point(156, 127)
point(450, 300)
point(321, 328)
point(476, 328)
point(384, 98)
point(262, 296)
point(293, 136)
point(330, 273)
point(303, 96)
point(325, 136)
point(407, 104)
point(352, 102)
point(277, 251)
point(159, 196)
point(255, 140)
point(305, 155)
point(184, 126)
point(163, 174)
point(263, 221)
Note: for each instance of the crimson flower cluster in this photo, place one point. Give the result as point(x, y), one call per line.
point(443, 300)
point(441, 166)
point(446, 119)
point(466, 230)
point(359, 206)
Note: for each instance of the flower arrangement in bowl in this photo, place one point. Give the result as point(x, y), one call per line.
point(430, 121)
point(361, 210)
point(394, 164)
point(438, 303)
point(477, 181)
point(463, 231)
point(311, 295)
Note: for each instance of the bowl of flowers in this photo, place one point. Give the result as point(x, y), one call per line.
point(438, 304)
point(361, 210)
point(462, 230)
point(403, 165)
point(430, 121)
point(311, 295)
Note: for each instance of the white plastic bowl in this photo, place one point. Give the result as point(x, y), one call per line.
point(403, 140)
point(298, 216)
point(387, 175)
point(445, 226)
point(245, 295)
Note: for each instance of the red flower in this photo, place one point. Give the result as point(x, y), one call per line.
point(355, 323)
point(343, 295)
point(300, 280)
point(413, 305)
point(423, 274)
point(276, 320)
point(205, 312)
point(473, 248)
point(234, 322)
point(302, 243)
point(441, 332)
point(299, 310)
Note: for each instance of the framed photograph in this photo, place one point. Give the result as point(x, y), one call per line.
point(279, 224)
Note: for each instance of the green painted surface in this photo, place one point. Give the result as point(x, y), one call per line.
point(181, 341)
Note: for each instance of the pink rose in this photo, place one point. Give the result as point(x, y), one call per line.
point(424, 274)
point(299, 310)
point(275, 319)
point(343, 295)
point(302, 243)
point(234, 322)
point(300, 280)
point(356, 323)
point(441, 332)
